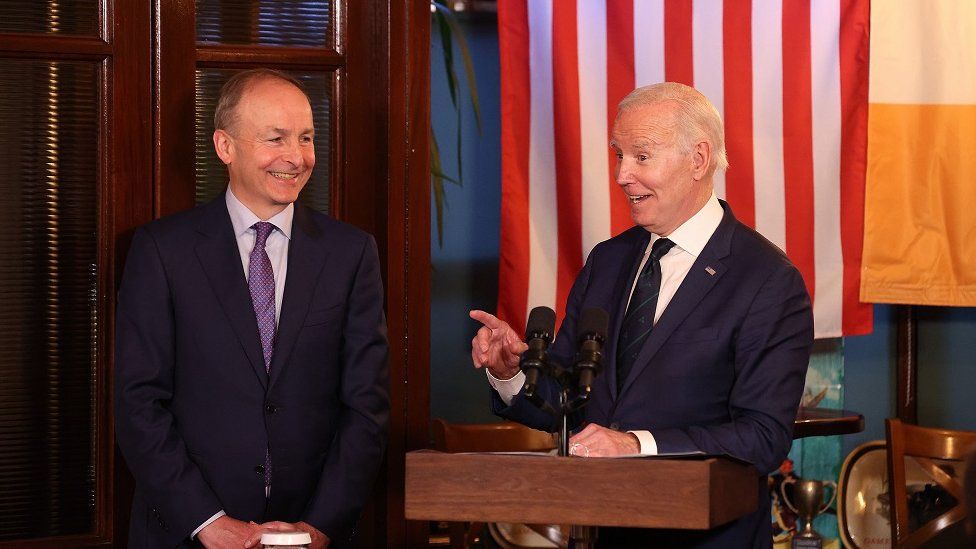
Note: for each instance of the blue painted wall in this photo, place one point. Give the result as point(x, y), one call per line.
point(465, 272)
point(465, 269)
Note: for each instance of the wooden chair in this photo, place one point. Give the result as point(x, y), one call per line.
point(506, 436)
point(926, 446)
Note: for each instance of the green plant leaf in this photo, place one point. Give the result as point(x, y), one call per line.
point(450, 31)
point(458, 34)
point(437, 186)
point(441, 17)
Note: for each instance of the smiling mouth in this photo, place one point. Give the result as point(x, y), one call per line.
point(283, 175)
point(637, 198)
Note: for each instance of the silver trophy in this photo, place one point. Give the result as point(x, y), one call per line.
point(808, 496)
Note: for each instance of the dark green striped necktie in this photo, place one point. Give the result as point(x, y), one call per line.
point(639, 319)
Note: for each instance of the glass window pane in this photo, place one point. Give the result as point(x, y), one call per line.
point(265, 22)
point(211, 174)
point(50, 16)
point(48, 273)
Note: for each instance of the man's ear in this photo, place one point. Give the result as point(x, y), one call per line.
point(224, 146)
point(701, 159)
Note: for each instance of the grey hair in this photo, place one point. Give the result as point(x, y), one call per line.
point(697, 118)
point(234, 89)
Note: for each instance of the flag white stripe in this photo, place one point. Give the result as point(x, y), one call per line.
point(648, 42)
point(826, 109)
point(707, 52)
point(543, 226)
point(767, 120)
point(591, 17)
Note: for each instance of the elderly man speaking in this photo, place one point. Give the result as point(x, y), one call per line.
point(710, 324)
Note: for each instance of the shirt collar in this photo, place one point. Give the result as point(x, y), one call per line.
point(243, 219)
point(692, 235)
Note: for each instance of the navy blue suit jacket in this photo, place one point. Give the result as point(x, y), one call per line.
point(722, 372)
point(195, 409)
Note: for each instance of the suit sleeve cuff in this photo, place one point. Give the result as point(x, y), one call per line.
point(216, 516)
point(506, 388)
point(648, 446)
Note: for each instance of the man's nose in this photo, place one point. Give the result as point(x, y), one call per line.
point(292, 153)
point(625, 174)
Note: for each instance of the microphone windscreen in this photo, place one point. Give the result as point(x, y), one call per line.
point(593, 322)
point(542, 320)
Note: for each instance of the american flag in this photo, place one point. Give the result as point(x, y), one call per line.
point(790, 79)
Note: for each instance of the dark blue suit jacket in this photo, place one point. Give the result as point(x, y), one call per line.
point(195, 409)
point(722, 372)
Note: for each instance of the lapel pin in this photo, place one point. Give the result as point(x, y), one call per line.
point(710, 270)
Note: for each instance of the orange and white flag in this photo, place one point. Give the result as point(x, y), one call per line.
point(920, 216)
point(790, 80)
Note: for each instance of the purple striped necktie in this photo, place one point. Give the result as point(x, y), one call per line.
point(260, 280)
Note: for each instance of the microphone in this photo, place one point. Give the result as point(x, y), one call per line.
point(538, 336)
point(593, 332)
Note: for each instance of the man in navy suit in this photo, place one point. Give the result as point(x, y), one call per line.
point(251, 364)
point(710, 324)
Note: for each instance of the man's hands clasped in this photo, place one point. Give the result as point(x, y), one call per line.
point(229, 533)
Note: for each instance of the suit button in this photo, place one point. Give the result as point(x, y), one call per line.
point(615, 426)
point(270, 408)
point(259, 469)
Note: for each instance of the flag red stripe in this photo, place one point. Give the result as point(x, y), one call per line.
point(737, 46)
point(798, 139)
point(678, 64)
point(854, 19)
point(568, 168)
point(620, 82)
point(513, 268)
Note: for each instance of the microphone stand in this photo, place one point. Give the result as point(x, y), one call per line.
point(580, 537)
point(564, 424)
point(586, 367)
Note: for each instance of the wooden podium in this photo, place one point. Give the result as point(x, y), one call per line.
point(689, 493)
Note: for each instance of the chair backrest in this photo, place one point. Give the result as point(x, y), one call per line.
point(969, 490)
point(506, 436)
point(925, 445)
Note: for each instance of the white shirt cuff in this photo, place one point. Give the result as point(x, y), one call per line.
point(216, 516)
point(648, 446)
point(506, 388)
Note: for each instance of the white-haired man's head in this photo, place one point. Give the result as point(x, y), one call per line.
point(695, 116)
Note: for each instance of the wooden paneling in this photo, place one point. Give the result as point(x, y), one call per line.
point(129, 198)
point(278, 57)
point(174, 48)
point(124, 201)
point(408, 257)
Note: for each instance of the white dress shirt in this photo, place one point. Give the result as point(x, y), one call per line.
point(276, 246)
point(689, 239)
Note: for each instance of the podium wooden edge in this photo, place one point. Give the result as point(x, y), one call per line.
point(697, 493)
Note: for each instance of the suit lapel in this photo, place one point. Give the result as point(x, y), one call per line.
point(621, 295)
point(306, 258)
point(221, 260)
point(704, 273)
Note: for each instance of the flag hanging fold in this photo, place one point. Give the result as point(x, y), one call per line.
point(790, 80)
point(920, 216)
